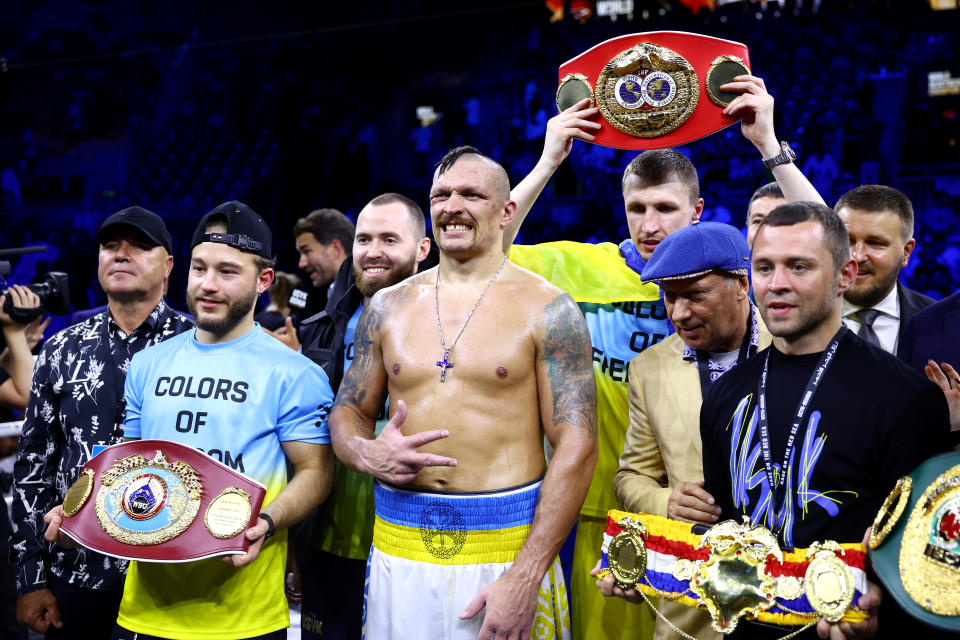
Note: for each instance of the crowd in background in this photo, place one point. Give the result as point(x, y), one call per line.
point(289, 119)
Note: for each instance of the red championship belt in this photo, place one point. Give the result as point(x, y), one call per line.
point(160, 501)
point(656, 89)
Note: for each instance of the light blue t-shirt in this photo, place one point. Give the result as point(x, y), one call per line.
point(237, 401)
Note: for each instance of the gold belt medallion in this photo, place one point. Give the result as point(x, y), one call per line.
point(146, 502)
point(647, 91)
point(930, 550)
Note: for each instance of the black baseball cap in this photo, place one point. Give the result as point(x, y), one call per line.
point(246, 230)
point(149, 223)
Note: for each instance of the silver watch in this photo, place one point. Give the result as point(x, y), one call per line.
point(785, 156)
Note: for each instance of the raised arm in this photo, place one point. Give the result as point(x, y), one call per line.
point(568, 406)
point(391, 456)
point(557, 143)
point(754, 108)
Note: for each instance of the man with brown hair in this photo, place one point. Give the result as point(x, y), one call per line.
point(324, 240)
point(661, 194)
point(879, 222)
point(389, 246)
point(808, 437)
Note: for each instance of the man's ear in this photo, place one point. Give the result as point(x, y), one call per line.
point(907, 250)
point(697, 210)
point(847, 275)
point(509, 213)
point(265, 279)
point(423, 250)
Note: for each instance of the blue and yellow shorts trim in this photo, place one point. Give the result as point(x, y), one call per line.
point(454, 528)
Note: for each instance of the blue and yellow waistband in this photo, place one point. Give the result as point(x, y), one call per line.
point(454, 528)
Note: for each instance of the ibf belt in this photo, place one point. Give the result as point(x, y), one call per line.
point(656, 89)
point(160, 501)
point(915, 542)
point(734, 570)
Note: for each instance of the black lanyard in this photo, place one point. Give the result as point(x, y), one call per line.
point(703, 357)
point(815, 378)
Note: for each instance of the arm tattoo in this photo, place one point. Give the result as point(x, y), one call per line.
point(353, 387)
point(567, 354)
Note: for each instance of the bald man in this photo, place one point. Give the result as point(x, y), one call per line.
point(481, 359)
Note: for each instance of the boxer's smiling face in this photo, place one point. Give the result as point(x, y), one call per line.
point(466, 206)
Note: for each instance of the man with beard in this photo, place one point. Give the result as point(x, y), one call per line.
point(274, 410)
point(75, 410)
point(807, 437)
point(388, 247)
point(879, 223)
point(481, 360)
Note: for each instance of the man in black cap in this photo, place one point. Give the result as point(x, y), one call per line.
point(75, 410)
point(264, 404)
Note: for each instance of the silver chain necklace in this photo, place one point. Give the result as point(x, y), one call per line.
point(445, 363)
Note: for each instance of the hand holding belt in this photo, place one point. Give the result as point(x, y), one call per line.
point(734, 570)
point(128, 506)
point(657, 89)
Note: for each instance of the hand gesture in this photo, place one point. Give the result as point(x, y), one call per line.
point(287, 334)
point(947, 378)
point(564, 127)
point(690, 503)
point(511, 604)
point(393, 457)
point(754, 109)
point(34, 331)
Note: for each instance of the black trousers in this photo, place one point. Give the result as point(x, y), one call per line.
point(88, 614)
point(332, 587)
point(10, 629)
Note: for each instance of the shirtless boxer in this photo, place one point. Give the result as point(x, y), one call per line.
point(477, 525)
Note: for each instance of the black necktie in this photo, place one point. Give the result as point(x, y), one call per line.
point(866, 318)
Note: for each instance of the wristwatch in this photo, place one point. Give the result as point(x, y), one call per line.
point(271, 527)
point(785, 156)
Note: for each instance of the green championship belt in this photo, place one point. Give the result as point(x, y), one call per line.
point(915, 542)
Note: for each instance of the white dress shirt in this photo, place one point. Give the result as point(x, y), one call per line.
point(887, 324)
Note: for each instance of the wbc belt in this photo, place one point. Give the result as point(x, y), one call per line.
point(160, 501)
point(734, 570)
point(656, 89)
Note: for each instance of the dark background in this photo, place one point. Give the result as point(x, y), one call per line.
point(179, 106)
